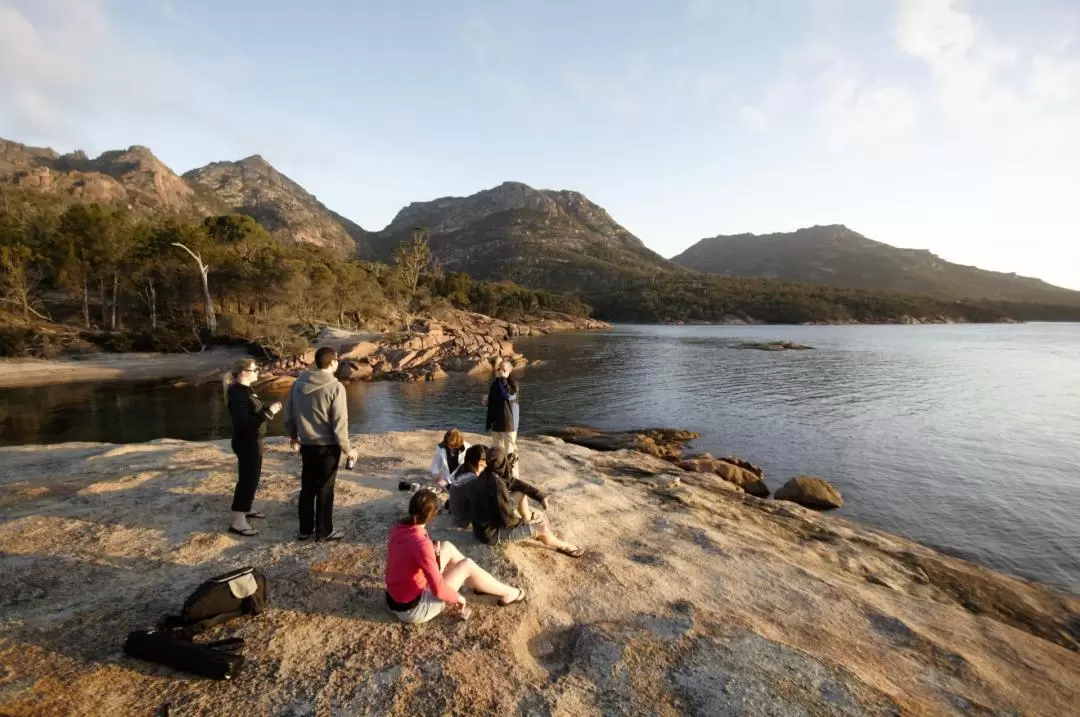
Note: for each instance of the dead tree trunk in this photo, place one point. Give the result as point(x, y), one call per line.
point(204, 271)
point(115, 297)
point(86, 301)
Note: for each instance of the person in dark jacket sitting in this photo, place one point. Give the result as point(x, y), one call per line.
point(503, 409)
point(494, 515)
point(249, 418)
point(472, 465)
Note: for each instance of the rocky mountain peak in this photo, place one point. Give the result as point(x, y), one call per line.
point(133, 177)
point(254, 187)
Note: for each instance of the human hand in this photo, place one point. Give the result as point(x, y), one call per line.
point(353, 455)
point(484, 401)
point(294, 445)
point(275, 408)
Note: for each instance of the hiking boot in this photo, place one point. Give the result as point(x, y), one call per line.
point(303, 536)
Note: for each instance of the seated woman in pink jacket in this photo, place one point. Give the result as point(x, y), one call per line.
point(423, 577)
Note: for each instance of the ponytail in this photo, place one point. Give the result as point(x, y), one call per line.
point(423, 506)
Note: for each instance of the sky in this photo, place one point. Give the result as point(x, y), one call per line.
point(948, 125)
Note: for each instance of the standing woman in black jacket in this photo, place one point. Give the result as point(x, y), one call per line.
point(249, 418)
point(503, 410)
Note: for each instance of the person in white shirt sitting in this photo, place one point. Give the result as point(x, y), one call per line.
point(448, 458)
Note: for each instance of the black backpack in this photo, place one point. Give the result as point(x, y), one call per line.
point(240, 592)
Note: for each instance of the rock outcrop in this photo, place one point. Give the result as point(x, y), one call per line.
point(288, 211)
point(690, 601)
point(464, 343)
point(666, 443)
point(775, 346)
point(811, 492)
point(741, 473)
point(133, 178)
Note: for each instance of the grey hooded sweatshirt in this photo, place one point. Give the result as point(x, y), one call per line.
point(317, 413)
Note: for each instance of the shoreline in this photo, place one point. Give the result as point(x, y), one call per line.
point(691, 600)
point(116, 368)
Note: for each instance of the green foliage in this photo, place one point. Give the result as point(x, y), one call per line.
point(274, 337)
point(504, 299)
point(701, 298)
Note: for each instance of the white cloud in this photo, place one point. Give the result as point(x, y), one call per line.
point(62, 66)
point(847, 106)
point(988, 90)
point(867, 116)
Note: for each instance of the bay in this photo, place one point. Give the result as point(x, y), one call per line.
point(964, 437)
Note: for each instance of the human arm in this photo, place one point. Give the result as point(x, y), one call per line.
point(439, 469)
point(519, 486)
point(505, 503)
point(429, 566)
point(290, 418)
point(339, 419)
point(246, 410)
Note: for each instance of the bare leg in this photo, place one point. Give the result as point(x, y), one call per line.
point(458, 570)
point(545, 536)
point(524, 509)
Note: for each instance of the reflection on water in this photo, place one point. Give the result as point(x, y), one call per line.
point(965, 437)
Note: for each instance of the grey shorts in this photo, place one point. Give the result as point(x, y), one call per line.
point(428, 607)
point(524, 531)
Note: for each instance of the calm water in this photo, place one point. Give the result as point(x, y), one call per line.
point(963, 437)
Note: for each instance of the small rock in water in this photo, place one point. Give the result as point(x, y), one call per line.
point(811, 492)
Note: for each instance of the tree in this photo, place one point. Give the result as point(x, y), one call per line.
point(19, 279)
point(204, 272)
point(411, 258)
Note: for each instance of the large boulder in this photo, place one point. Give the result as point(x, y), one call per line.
point(354, 371)
point(276, 383)
point(745, 479)
point(358, 350)
point(666, 443)
point(749, 479)
point(811, 492)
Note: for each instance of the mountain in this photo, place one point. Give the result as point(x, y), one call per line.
point(837, 256)
point(555, 240)
point(288, 211)
point(137, 180)
point(133, 178)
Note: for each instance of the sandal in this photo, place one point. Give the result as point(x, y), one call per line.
point(247, 532)
point(572, 553)
point(520, 598)
point(256, 514)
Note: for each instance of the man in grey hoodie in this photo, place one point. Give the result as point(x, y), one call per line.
point(317, 419)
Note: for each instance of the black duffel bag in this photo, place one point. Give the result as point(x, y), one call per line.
point(214, 660)
point(240, 592)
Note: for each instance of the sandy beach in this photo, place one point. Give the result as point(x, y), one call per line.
point(115, 367)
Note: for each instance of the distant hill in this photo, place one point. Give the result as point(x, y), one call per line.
point(288, 211)
point(837, 256)
point(555, 240)
point(133, 178)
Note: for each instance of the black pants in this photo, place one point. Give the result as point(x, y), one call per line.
point(317, 477)
point(249, 457)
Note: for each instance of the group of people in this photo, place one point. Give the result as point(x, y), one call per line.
point(481, 485)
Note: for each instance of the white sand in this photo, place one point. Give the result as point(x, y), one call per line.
point(116, 367)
